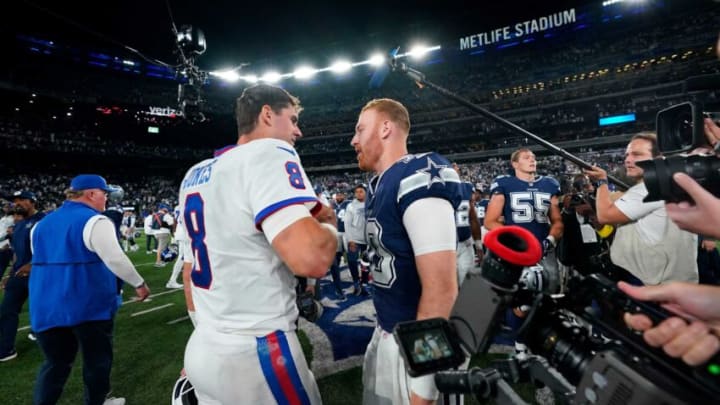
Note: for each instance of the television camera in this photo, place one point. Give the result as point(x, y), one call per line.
point(681, 134)
point(583, 351)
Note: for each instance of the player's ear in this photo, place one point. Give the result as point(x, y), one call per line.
point(266, 114)
point(385, 129)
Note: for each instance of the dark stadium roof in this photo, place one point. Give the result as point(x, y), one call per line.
point(269, 30)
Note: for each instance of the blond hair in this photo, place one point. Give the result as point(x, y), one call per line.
point(394, 110)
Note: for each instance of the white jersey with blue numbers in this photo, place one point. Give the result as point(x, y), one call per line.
point(238, 281)
point(180, 234)
point(462, 213)
point(527, 203)
point(392, 260)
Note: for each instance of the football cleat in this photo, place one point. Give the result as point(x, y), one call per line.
point(183, 392)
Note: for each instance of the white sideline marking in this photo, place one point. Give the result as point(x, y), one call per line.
point(134, 299)
point(178, 320)
point(152, 309)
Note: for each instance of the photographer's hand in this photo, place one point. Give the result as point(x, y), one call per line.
point(702, 218)
point(712, 132)
point(694, 342)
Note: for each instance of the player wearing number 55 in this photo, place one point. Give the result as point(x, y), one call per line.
point(254, 223)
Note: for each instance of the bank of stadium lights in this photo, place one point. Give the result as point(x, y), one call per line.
point(611, 2)
point(306, 72)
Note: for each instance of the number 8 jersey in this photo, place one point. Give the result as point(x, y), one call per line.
point(527, 202)
point(239, 282)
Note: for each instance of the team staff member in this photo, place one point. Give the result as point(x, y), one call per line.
point(73, 291)
point(16, 288)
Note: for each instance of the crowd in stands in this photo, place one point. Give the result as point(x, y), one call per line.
point(144, 194)
point(555, 88)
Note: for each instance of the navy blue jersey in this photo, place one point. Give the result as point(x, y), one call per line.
point(20, 241)
point(340, 214)
point(480, 209)
point(462, 218)
point(527, 203)
point(392, 260)
point(115, 213)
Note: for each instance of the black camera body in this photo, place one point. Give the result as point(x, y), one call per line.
point(681, 130)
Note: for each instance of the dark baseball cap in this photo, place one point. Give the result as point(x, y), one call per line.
point(22, 195)
point(90, 181)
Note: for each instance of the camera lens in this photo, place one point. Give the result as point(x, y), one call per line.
point(658, 176)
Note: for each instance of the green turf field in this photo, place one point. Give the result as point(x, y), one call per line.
point(149, 341)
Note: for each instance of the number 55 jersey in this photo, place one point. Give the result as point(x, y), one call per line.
point(527, 202)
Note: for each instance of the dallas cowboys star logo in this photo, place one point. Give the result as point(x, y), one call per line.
point(433, 171)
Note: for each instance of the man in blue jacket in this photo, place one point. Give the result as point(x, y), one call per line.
point(73, 291)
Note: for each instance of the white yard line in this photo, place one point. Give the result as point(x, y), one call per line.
point(174, 321)
point(152, 309)
point(133, 299)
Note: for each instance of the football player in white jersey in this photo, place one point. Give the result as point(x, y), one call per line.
point(183, 244)
point(254, 223)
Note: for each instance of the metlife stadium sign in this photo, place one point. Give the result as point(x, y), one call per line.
point(519, 30)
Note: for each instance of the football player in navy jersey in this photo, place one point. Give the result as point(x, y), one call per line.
point(531, 202)
point(468, 229)
point(340, 205)
point(483, 199)
point(411, 235)
point(527, 201)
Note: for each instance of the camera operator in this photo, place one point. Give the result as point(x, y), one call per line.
point(698, 341)
point(647, 244)
point(694, 342)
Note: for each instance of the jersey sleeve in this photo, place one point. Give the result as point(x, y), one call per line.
point(554, 186)
point(280, 181)
point(429, 176)
point(498, 185)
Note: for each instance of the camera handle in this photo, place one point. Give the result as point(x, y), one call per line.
point(484, 383)
point(524, 367)
point(419, 78)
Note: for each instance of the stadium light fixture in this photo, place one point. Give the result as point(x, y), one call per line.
point(228, 75)
point(271, 77)
point(250, 78)
point(376, 60)
point(304, 72)
point(419, 51)
point(341, 66)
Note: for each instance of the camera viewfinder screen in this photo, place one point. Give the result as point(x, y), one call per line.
point(428, 345)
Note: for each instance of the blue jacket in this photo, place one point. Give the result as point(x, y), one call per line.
point(69, 284)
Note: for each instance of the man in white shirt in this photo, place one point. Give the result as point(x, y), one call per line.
point(149, 233)
point(6, 222)
point(163, 232)
point(647, 243)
